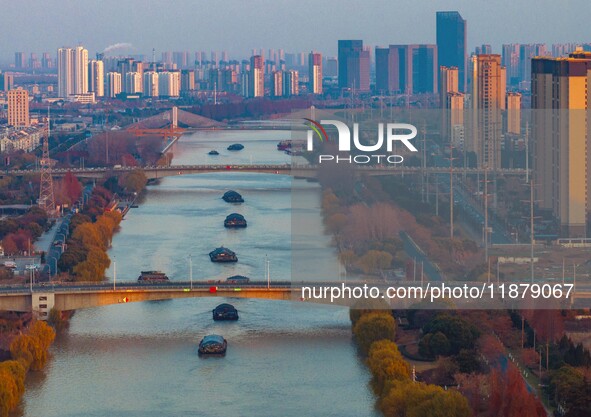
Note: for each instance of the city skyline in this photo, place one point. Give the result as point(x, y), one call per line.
point(392, 23)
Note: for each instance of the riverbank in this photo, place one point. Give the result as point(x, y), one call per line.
point(29, 352)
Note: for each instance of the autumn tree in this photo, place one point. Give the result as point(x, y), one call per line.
point(133, 181)
point(386, 364)
point(372, 327)
point(509, 396)
point(423, 400)
point(374, 261)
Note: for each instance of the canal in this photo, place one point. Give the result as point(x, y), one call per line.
point(140, 359)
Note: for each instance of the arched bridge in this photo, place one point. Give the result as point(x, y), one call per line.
point(298, 171)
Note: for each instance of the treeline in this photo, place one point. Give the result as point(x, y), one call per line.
point(85, 258)
point(18, 234)
point(367, 232)
point(398, 395)
point(367, 236)
point(29, 351)
point(567, 364)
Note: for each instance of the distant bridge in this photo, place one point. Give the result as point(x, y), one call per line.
point(299, 171)
point(41, 298)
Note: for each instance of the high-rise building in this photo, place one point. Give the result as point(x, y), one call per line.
point(513, 113)
point(291, 85)
point(96, 78)
point(560, 135)
point(169, 84)
point(449, 83)
point(18, 108)
point(34, 61)
point(483, 49)
point(451, 43)
point(72, 71)
point(451, 102)
point(455, 123)
point(353, 63)
point(332, 67)
point(188, 80)
point(315, 73)
point(180, 59)
point(6, 81)
point(424, 69)
point(510, 60)
point(563, 49)
point(113, 84)
point(151, 84)
point(407, 69)
point(46, 61)
point(384, 73)
point(256, 78)
point(20, 61)
point(526, 53)
point(400, 69)
point(124, 66)
point(133, 83)
point(488, 101)
point(277, 84)
point(167, 59)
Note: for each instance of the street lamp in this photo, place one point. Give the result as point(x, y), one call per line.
point(191, 270)
point(114, 274)
point(268, 271)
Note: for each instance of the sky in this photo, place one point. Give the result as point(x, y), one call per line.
point(238, 26)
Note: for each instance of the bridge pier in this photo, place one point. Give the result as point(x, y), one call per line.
point(42, 303)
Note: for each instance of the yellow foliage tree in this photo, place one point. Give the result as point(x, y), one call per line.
point(386, 364)
point(422, 400)
point(372, 327)
point(89, 235)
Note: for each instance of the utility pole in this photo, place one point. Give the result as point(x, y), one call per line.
point(531, 226)
point(451, 191)
point(424, 164)
point(527, 151)
point(486, 213)
point(114, 275)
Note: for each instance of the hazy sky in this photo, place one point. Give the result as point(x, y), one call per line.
point(237, 26)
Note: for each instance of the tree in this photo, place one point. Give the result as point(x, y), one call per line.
point(423, 400)
point(134, 181)
point(509, 396)
point(372, 327)
point(336, 223)
point(89, 235)
point(460, 333)
point(374, 261)
point(386, 364)
point(439, 344)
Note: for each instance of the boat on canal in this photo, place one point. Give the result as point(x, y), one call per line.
point(232, 197)
point(225, 312)
point(235, 221)
point(222, 254)
point(213, 344)
point(152, 276)
point(236, 147)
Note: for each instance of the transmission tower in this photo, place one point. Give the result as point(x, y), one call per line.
point(46, 197)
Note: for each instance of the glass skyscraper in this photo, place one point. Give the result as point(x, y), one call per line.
point(451, 43)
